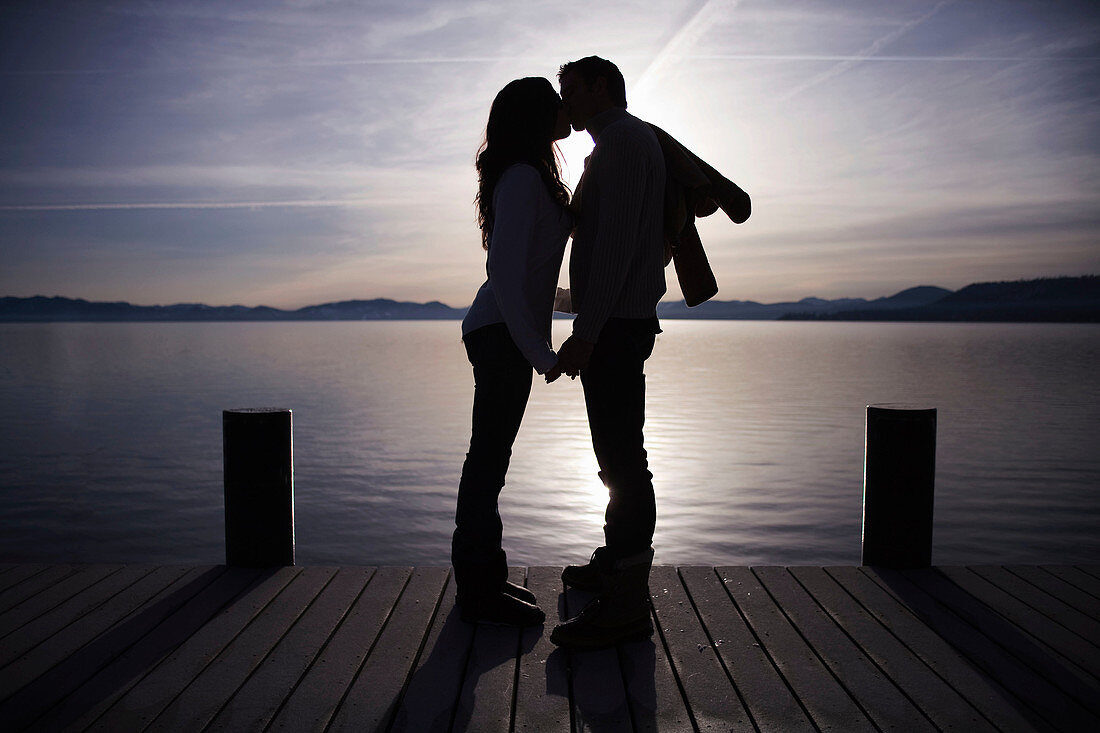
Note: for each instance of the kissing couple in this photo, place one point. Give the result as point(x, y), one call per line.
point(616, 277)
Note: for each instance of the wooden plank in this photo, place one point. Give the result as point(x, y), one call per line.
point(1066, 630)
point(943, 705)
point(690, 638)
point(1081, 583)
point(967, 595)
point(18, 574)
point(63, 643)
point(1032, 689)
point(373, 697)
point(1051, 582)
point(58, 594)
point(144, 701)
point(76, 608)
point(84, 640)
point(212, 687)
point(994, 701)
point(826, 701)
point(596, 681)
point(485, 703)
point(311, 705)
point(1074, 609)
point(875, 693)
point(37, 583)
point(764, 692)
point(248, 650)
point(652, 689)
point(428, 704)
point(253, 706)
point(1093, 570)
point(542, 689)
point(88, 682)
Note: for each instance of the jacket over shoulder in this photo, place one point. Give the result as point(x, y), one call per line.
point(694, 188)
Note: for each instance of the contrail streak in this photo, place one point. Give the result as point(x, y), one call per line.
point(657, 63)
point(679, 46)
point(866, 53)
point(267, 67)
point(862, 59)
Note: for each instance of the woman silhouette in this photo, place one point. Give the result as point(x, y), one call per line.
point(521, 206)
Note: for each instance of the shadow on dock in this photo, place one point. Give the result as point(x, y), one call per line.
point(107, 648)
point(97, 673)
point(1053, 679)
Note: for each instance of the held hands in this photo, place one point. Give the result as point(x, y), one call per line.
point(572, 357)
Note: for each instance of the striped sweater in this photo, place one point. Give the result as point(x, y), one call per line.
point(617, 265)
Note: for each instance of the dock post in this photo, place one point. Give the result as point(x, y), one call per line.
point(258, 454)
point(898, 483)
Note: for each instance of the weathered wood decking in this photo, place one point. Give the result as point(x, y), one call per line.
point(130, 648)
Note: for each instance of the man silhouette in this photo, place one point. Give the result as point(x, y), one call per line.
point(616, 278)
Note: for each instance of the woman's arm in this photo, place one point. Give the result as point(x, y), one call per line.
point(515, 206)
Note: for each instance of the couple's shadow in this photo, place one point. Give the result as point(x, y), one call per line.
point(469, 675)
point(610, 689)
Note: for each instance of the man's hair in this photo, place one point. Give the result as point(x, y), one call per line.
point(591, 68)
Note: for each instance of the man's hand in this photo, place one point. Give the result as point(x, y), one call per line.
point(552, 374)
point(572, 357)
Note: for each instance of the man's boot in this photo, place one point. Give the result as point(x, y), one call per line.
point(620, 613)
point(586, 577)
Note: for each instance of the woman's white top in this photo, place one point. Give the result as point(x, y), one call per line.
point(525, 254)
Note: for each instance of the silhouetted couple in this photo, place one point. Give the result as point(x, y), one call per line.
point(616, 277)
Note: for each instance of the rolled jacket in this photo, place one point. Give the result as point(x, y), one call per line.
point(694, 188)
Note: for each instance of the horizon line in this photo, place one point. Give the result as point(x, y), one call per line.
point(428, 302)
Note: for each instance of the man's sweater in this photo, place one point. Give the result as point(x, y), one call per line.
point(616, 268)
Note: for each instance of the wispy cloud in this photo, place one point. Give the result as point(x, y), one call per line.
point(683, 43)
point(152, 205)
point(226, 152)
point(866, 53)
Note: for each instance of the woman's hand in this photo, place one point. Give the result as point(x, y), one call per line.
point(572, 357)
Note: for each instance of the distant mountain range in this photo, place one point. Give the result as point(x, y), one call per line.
point(750, 310)
point(1063, 299)
point(1058, 299)
point(41, 308)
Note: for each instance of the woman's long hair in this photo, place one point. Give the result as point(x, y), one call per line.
point(520, 130)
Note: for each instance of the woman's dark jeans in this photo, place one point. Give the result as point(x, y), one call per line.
point(502, 384)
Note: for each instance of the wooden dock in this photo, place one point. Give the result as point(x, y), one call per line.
point(133, 648)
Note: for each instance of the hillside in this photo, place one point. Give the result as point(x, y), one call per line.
point(1065, 299)
point(1060, 299)
point(44, 309)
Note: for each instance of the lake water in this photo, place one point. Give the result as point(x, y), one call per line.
point(111, 438)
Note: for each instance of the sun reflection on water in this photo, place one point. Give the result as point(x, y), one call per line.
point(754, 432)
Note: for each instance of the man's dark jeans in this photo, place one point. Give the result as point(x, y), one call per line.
point(502, 384)
point(614, 394)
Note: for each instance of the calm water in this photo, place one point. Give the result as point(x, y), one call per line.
point(111, 439)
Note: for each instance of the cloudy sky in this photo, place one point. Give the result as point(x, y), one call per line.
point(310, 151)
